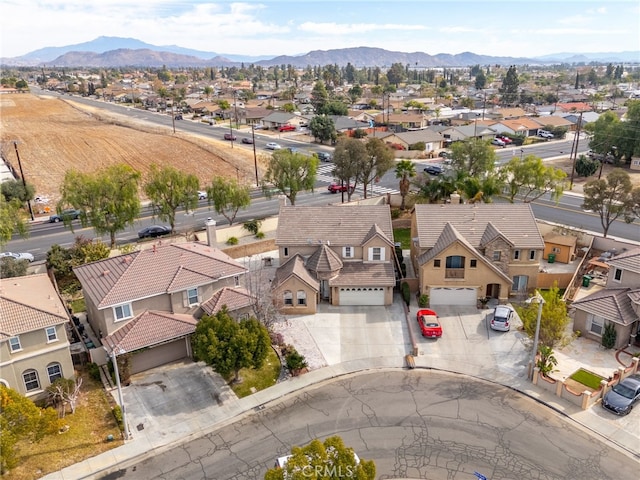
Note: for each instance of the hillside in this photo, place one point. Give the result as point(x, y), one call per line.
point(55, 134)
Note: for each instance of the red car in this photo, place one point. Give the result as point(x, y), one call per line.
point(336, 187)
point(429, 324)
point(506, 140)
point(287, 128)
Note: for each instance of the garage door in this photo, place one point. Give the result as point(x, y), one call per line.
point(453, 296)
point(361, 296)
point(160, 355)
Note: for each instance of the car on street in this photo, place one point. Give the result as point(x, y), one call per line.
point(324, 156)
point(154, 231)
point(498, 143)
point(17, 256)
point(545, 134)
point(247, 140)
point(622, 397)
point(230, 136)
point(336, 187)
point(506, 140)
point(444, 154)
point(287, 128)
point(67, 214)
point(202, 195)
point(272, 146)
point(434, 169)
point(429, 323)
point(502, 318)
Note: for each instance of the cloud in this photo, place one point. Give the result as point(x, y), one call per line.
point(355, 28)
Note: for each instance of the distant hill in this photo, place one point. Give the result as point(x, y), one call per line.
point(120, 52)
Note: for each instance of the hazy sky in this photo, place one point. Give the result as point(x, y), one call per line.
point(286, 27)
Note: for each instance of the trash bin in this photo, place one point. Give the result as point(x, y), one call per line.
point(586, 280)
point(551, 258)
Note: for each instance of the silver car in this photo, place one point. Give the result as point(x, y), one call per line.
point(621, 398)
point(18, 256)
point(502, 318)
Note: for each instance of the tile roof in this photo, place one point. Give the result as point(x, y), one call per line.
point(567, 240)
point(234, 298)
point(629, 260)
point(324, 260)
point(294, 267)
point(334, 225)
point(148, 329)
point(514, 221)
point(361, 274)
point(151, 272)
point(29, 303)
point(611, 303)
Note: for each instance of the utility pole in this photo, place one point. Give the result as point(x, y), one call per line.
point(24, 182)
point(574, 151)
point(255, 158)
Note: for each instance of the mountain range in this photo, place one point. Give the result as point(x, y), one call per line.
point(121, 52)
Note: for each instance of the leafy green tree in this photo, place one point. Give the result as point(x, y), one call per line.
point(547, 360)
point(10, 267)
point(610, 198)
point(605, 133)
point(585, 166)
point(405, 170)
point(108, 199)
point(169, 189)
point(553, 321)
point(228, 197)
point(13, 218)
point(474, 157)
point(628, 141)
point(481, 80)
point(228, 345)
point(396, 74)
point(16, 189)
point(530, 178)
point(477, 188)
point(21, 419)
point(319, 96)
point(290, 173)
point(510, 87)
point(326, 460)
point(85, 250)
point(379, 160)
point(349, 157)
point(355, 93)
point(335, 107)
point(322, 128)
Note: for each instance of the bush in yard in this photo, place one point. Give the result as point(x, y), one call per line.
point(117, 413)
point(418, 146)
point(585, 166)
point(232, 241)
point(423, 300)
point(295, 361)
point(406, 293)
point(252, 226)
point(609, 336)
point(94, 371)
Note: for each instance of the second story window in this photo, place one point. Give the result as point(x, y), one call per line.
point(436, 263)
point(473, 263)
point(617, 274)
point(496, 255)
point(347, 252)
point(285, 251)
point(532, 254)
point(192, 297)
point(376, 254)
point(14, 342)
point(122, 312)
point(516, 254)
point(52, 335)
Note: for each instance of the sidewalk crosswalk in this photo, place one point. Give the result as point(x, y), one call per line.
point(324, 174)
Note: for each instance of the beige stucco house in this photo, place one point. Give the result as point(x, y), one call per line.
point(148, 302)
point(462, 253)
point(618, 303)
point(347, 253)
point(34, 347)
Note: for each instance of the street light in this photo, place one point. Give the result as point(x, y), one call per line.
point(114, 360)
point(540, 301)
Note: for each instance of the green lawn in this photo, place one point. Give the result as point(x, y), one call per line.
point(403, 235)
point(258, 379)
point(589, 379)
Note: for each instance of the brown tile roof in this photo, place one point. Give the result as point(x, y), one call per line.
point(611, 303)
point(335, 225)
point(362, 274)
point(514, 221)
point(151, 272)
point(324, 260)
point(629, 260)
point(520, 124)
point(29, 303)
point(234, 298)
point(553, 120)
point(148, 329)
point(294, 267)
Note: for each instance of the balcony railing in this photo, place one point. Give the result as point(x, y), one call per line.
point(454, 273)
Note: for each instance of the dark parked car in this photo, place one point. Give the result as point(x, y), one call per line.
point(154, 231)
point(324, 156)
point(229, 136)
point(68, 214)
point(434, 169)
point(621, 398)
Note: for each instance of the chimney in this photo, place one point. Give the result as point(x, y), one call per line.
point(455, 198)
point(210, 226)
point(282, 201)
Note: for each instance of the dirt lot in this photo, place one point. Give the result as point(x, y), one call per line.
point(55, 134)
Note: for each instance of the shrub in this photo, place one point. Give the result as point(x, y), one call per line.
point(117, 413)
point(418, 146)
point(232, 241)
point(585, 166)
point(395, 213)
point(423, 300)
point(94, 371)
point(406, 292)
point(260, 235)
point(609, 336)
point(359, 133)
point(295, 361)
point(252, 226)
point(10, 267)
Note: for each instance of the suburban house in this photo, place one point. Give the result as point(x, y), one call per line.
point(343, 255)
point(433, 141)
point(34, 347)
point(278, 119)
point(618, 303)
point(464, 252)
point(148, 301)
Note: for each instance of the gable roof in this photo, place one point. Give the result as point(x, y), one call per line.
point(514, 221)
point(234, 298)
point(611, 303)
point(29, 303)
point(324, 260)
point(629, 260)
point(279, 117)
point(522, 124)
point(294, 267)
point(147, 329)
point(331, 224)
point(164, 269)
point(361, 274)
point(424, 135)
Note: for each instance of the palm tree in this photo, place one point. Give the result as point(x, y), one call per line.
point(405, 169)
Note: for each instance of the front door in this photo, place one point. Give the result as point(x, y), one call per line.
point(493, 290)
point(324, 289)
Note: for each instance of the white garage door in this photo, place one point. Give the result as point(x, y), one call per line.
point(453, 296)
point(160, 355)
point(361, 296)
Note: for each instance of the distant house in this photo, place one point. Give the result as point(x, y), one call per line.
point(618, 303)
point(278, 119)
point(34, 346)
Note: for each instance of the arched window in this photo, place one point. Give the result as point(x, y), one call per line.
point(54, 370)
point(288, 297)
point(301, 295)
point(454, 266)
point(31, 382)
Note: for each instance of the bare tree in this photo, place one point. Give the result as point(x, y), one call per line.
point(258, 282)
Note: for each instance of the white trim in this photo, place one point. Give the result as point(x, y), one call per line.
point(55, 334)
point(121, 306)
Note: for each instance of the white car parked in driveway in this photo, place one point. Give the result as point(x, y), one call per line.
point(502, 318)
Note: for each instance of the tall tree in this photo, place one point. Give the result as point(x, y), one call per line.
point(611, 199)
point(510, 86)
point(228, 345)
point(169, 189)
point(319, 96)
point(322, 128)
point(108, 199)
point(379, 160)
point(228, 197)
point(396, 74)
point(474, 157)
point(405, 170)
point(553, 321)
point(290, 173)
point(349, 157)
point(13, 218)
point(530, 178)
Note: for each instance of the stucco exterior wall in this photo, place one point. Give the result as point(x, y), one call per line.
point(294, 284)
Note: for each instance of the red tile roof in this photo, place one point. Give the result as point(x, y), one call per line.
point(234, 299)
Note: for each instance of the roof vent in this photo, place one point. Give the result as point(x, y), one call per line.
point(105, 273)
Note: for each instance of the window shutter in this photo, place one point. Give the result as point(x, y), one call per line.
point(185, 299)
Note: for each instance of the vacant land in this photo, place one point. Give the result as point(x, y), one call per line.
point(54, 135)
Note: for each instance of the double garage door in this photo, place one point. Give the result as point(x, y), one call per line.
point(453, 296)
point(362, 295)
point(160, 355)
